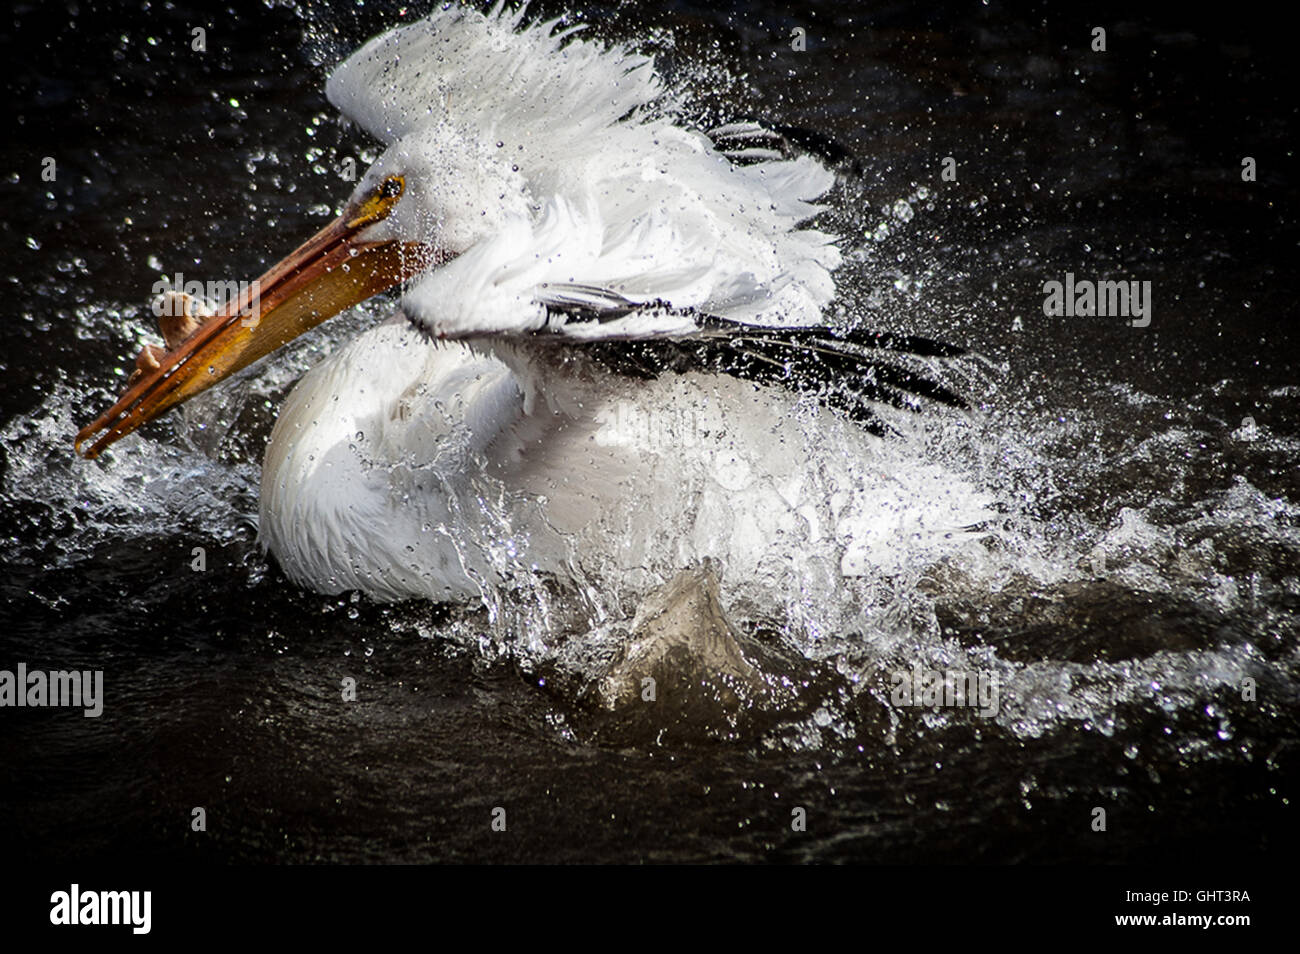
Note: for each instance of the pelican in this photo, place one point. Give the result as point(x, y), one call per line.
point(606, 317)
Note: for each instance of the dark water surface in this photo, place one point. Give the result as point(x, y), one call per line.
point(1149, 564)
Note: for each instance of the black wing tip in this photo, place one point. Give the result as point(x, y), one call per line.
point(842, 368)
point(760, 141)
point(837, 366)
point(917, 345)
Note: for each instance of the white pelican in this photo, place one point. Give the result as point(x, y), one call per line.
point(603, 315)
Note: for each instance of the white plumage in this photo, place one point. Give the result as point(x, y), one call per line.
point(542, 158)
point(556, 180)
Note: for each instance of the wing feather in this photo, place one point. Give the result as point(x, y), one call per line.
point(485, 70)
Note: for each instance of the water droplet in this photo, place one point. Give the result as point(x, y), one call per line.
point(902, 211)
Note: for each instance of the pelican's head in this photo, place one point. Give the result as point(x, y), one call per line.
point(455, 189)
point(429, 197)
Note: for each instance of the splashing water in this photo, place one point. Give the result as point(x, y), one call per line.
point(1116, 546)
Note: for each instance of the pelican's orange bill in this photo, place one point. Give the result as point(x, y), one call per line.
point(331, 271)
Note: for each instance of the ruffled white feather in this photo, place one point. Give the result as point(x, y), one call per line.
point(543, 157)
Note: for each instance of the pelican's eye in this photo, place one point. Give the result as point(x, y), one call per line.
point(378, 203)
